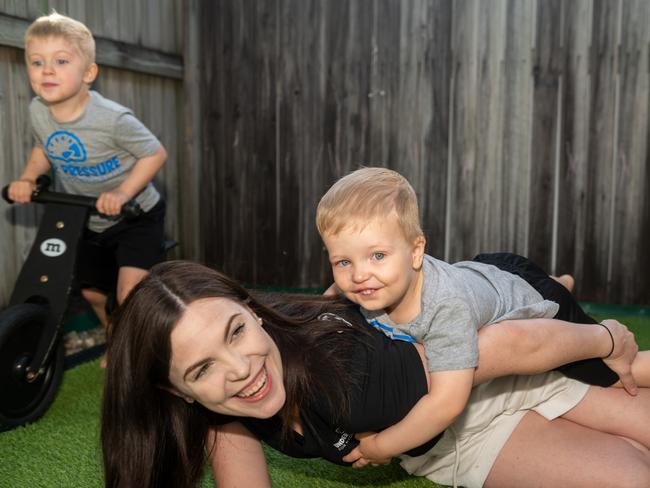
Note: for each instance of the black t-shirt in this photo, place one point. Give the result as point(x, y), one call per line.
point(391, 382)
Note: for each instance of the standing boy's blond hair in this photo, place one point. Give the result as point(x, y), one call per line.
point(73, 31)
point(366, 195)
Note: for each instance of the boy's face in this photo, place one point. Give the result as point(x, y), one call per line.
point(57, 71)
point(375, 266)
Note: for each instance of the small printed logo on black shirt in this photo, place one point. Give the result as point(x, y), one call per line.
point(343, 441)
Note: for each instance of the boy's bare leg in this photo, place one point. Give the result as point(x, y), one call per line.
point(97, 300)
point(127, 278)
point(566, 280)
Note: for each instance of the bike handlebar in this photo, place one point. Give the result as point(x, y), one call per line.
point(41, 194)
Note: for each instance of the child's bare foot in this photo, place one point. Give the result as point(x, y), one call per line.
point(566, 280)
point(102, 362)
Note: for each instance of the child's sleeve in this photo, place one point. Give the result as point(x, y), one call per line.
point(451, 342)
point(133, 136)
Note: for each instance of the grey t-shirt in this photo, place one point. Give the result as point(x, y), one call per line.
point(95, 153)
point(458, 299)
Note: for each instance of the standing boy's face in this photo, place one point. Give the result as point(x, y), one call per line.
point(57, 71)
point(375, 266)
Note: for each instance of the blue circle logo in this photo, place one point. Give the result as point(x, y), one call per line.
point(65, 146)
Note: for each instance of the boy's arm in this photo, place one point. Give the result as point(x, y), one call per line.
point(20, 190)
point(536, 345)
point(433, 413)
point(144, 170)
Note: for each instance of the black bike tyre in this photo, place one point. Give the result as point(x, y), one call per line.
point(22, 402)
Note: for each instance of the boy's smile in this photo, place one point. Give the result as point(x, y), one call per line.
point(58, 73)
point(376, 267)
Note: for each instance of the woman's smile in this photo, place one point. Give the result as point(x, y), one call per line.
point(223, 358)
point(257, 389)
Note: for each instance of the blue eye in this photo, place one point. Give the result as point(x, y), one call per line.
point(62, 61)
point(378, 256)
point(342, 263)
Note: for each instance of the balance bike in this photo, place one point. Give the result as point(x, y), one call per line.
point(31, 346)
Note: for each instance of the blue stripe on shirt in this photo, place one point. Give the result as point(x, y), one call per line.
point(390, 331)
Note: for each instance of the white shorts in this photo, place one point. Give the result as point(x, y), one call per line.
point(465, 454)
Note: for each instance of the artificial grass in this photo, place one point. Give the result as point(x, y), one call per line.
point(62, 448)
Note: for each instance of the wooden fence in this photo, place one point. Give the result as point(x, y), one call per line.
point(522, 124)
point(139, 50)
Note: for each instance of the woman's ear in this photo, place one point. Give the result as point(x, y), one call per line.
point(177, 393)
point(418, 252)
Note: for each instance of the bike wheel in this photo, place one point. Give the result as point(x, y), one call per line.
point(21, 401)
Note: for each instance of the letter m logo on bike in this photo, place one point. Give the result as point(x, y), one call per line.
point(53, 247)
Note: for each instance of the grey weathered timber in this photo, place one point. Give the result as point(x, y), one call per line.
point(109, 52)
point(139, 51)
point(522, 125)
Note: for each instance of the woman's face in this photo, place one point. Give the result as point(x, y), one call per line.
point(223, 359)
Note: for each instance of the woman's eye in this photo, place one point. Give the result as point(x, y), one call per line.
point(378, 256)
point(239, 330)
point(201, 371)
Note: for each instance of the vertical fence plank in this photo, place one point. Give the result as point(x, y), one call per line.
point(603, 69)
point(17, 222)
point(574, 162)
point(628, 247)
point(489, 174)
point(462, 169)
point(545, 96)
point(518, 81)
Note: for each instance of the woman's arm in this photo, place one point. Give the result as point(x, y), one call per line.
point(536, 345)
point(237, 458)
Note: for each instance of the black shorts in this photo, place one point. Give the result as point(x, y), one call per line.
point(139, 243)
point(592, 371)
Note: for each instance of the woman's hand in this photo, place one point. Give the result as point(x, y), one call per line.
point(366, 452)
point(624, 350)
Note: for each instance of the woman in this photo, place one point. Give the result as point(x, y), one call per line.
point(192, 350)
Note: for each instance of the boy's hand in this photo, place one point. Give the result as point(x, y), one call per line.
point(20, 191)
point(623, 354)
point(110, 202)
point(366, 452)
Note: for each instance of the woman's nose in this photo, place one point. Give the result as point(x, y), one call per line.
point(239, 367)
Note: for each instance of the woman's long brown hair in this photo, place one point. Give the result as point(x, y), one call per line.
point(151, 438)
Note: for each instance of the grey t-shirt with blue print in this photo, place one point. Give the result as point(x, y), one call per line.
point(96, 152)
point(457, 300)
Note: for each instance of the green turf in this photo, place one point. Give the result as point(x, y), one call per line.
point(62, 449)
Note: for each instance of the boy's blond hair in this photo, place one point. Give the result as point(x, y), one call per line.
point(366, 195)
point(73, 31)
